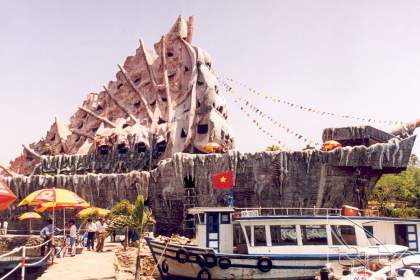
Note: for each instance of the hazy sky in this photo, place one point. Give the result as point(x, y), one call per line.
point(352, 57)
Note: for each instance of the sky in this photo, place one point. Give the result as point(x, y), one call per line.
point(357, 57)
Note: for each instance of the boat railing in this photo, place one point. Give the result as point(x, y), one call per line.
point(297, 211)
point(287, 211)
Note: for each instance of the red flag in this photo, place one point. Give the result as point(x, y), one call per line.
point(223, 180)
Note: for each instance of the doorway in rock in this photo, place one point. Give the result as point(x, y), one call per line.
point(406, 235)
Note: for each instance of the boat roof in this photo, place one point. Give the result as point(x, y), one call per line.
point(323, 217)
point(199, 210)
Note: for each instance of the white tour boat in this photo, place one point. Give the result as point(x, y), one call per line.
point(270, 243)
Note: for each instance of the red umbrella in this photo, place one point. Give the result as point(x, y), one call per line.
point(6, 196)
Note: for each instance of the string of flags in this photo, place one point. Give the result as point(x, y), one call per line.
point(282, 145)
point(288, 130)
point(310, 109)
point(259, 112)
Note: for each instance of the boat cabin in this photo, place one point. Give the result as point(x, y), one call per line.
point(398, 231)
point(249, 231)
point(214, 227)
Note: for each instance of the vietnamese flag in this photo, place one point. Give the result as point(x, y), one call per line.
point(223, 180)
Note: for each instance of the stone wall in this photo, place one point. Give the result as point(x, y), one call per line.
point(274, 179)
point(267, 179)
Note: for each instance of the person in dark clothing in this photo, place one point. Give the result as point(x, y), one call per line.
point(91, 230)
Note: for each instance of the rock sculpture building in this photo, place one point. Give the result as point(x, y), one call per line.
point(145, 132)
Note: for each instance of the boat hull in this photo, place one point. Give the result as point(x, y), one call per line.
point(285, 266)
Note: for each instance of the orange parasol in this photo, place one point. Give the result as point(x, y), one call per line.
point(212, 147)
point(330, 145)
point(7, 197)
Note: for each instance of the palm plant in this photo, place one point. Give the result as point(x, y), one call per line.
point(125, 215)
point(273, 148)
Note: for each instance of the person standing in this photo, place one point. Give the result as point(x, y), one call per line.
point(91, 230)
point(101, 233)
point(5, 225)
point(73, 237)
point(46, 233)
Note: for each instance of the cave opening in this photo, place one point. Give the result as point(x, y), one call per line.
point(189, 182)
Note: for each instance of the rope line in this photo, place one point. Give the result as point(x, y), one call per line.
point(14, 251)
point(41, 260)
point(311, 109)
point(39, 245)
point(11, 271)
point(22, 264)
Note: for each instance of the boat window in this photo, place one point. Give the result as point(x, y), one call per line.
point(225, 218)
point(368, 231)
point(239, 242)
point(343, 235)
point(259, 236)
point(314, 235)
point(248, 233)
point(283, 235)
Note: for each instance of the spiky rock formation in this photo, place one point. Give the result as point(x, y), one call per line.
point(164, 100)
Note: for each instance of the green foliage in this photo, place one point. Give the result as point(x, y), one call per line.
point(124, 207)
point(399, 194)
point(414, 160)
point(273, 148)
point(126, 215)
point(308, 147)
point(402, 212)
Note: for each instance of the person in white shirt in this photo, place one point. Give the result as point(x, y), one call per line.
point(101, 234)
point(91, 230)
point(73, 237)
point(5, 225)
point(46, 233)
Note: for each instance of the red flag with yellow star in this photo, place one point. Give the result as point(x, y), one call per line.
point(223, 180)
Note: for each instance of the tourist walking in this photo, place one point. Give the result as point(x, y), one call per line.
point(101, 234)
point(73, 237)
point(46, 233)
point(91, 230)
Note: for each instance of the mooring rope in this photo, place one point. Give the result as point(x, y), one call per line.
point(160, 257)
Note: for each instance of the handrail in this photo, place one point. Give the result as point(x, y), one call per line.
point(22, 264)
point(13, 251)
point(39, 245)
point(41, 260)
point(11, 271)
